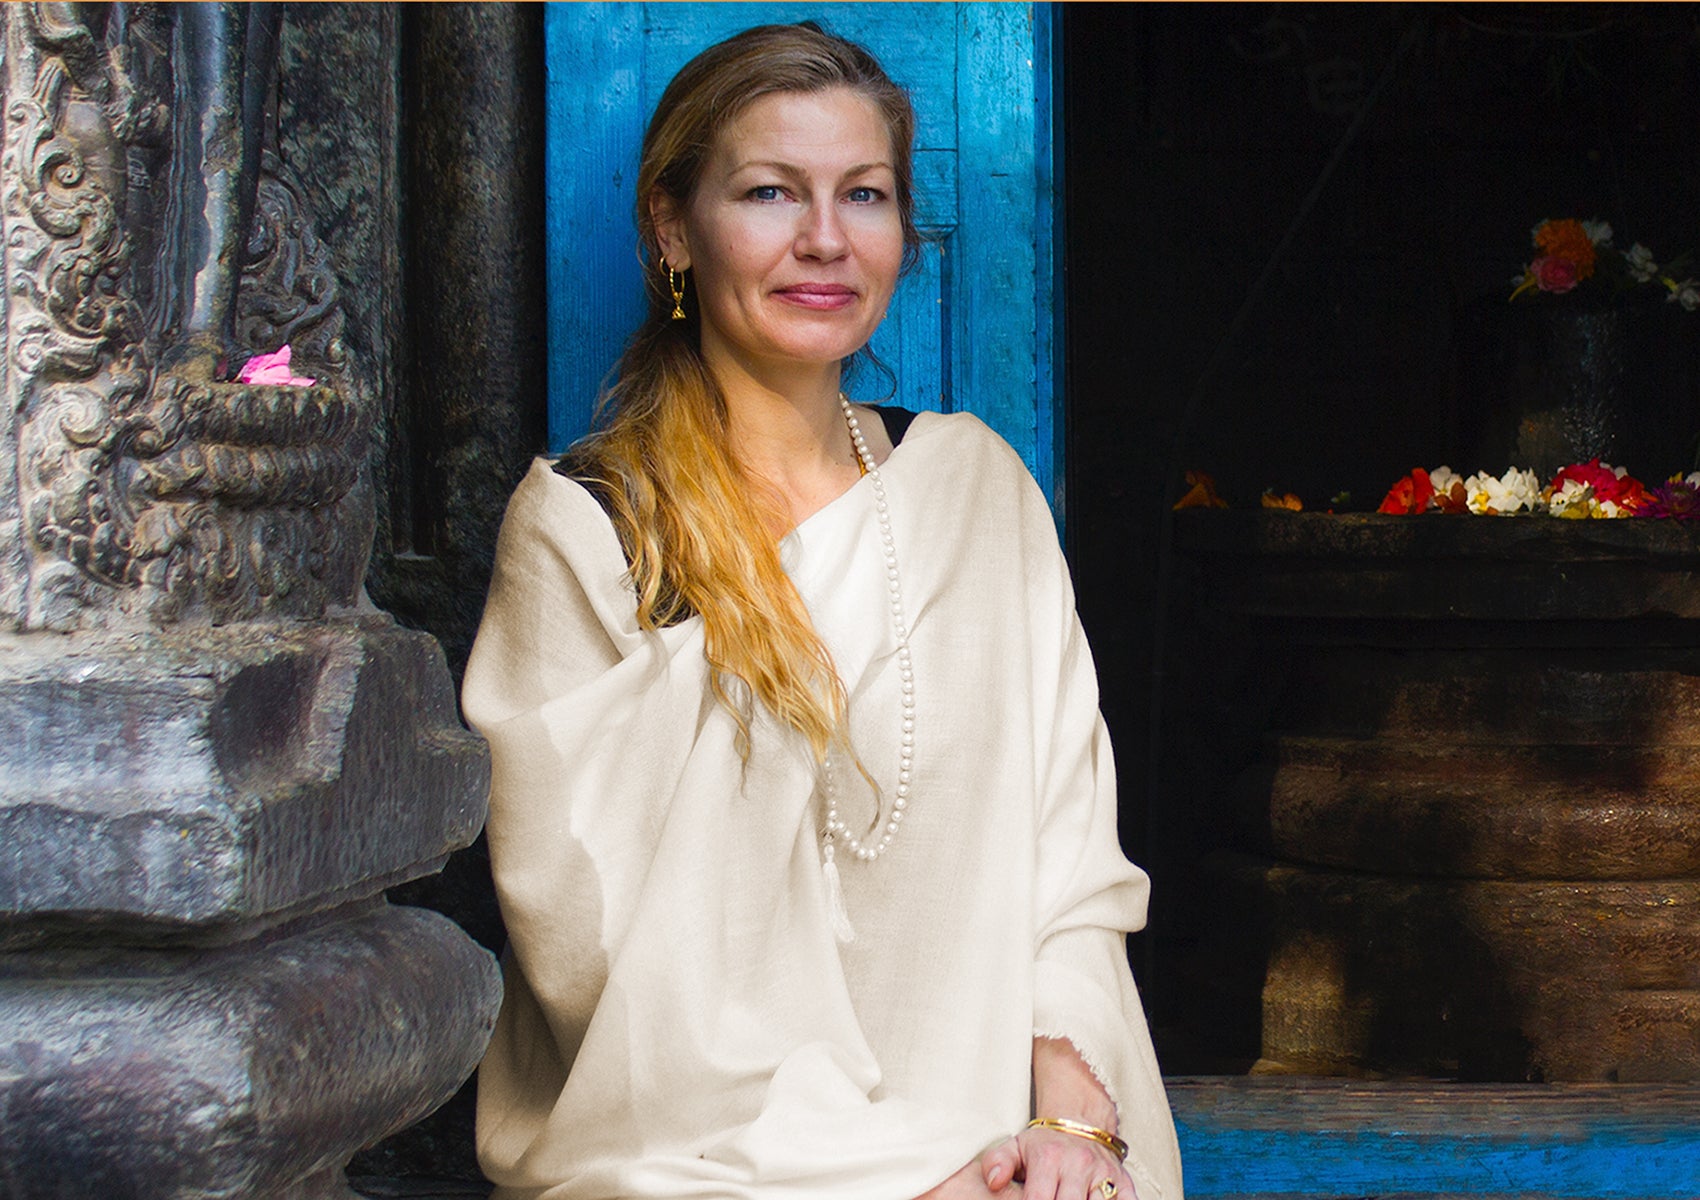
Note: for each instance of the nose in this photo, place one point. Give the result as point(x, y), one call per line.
point(820, 233)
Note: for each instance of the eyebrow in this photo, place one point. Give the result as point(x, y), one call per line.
point(797, 172)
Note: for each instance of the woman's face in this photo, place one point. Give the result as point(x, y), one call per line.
point(793, 237)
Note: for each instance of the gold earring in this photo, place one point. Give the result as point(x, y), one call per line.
point(676, 285)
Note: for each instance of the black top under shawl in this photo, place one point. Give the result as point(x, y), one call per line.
point(896, 421)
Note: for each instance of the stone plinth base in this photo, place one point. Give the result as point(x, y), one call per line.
point(252, 1070)
point(202, 992)
point(174, 783)
point(1447, 770)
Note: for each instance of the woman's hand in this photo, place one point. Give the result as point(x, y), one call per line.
point(1050, 1164)
point(1055, 1166)
point(970, 1184)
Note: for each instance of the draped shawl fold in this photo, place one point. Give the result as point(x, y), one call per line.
point(680, 1020)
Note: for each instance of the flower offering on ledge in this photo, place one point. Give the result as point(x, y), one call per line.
point(1513, 492)
point(1590, 489)
point(1571, 252)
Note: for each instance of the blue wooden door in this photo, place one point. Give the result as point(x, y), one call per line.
point(972, 327)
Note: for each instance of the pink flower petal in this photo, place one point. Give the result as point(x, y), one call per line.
point(271, 370)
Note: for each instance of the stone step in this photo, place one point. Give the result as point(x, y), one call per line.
point(1476, 810)
point(1341, 972)
point(1543, 695)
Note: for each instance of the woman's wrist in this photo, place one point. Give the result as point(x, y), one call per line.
point(1080, 1129)
point(1064, 1087)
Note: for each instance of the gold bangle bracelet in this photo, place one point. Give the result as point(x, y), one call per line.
point(1091, 1133)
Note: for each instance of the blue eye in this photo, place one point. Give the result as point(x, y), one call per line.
point(766, 192)
point(865, 195)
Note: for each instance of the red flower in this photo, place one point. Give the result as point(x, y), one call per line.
point(1625, 491)
point(1410, 495)
point(1554, 274)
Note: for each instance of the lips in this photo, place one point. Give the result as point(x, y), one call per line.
point(823, 296)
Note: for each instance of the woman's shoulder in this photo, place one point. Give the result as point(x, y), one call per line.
point(548, 487)
point(964, 442)
point(551, 509)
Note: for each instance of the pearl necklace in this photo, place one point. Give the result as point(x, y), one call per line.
point(837, 832)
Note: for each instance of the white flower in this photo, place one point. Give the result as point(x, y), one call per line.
point(1599, 232)
point(1575, 499)
point(1515, 491)
point(1687, 294)
point(1443, 478)
point(1692, 479)
point(1640, 263)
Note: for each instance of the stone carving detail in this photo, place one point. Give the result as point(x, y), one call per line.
point(151, 492)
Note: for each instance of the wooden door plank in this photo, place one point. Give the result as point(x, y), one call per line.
point(595, 54)
point(994, 313)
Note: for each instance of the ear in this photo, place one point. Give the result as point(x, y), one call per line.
point(668, 218)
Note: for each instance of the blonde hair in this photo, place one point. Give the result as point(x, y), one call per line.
point(696, 527)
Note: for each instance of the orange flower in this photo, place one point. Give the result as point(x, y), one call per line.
point(1286, 500)
point(1201, 493)
point(1567, 239)
point(1411, 494)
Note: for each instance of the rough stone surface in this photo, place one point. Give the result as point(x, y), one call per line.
point(339, 129)
point(476, 397)
point(472, 403)
point(193, 779)
point(250, 1071)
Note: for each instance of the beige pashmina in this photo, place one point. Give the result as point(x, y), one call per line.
point(680, 1019)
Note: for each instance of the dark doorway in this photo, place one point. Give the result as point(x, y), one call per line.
point(1368, 175)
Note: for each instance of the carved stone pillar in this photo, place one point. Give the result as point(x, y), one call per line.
point(214, 754)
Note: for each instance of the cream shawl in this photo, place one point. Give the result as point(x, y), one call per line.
point(680, 1020)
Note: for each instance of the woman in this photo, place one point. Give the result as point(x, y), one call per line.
point(802, 819)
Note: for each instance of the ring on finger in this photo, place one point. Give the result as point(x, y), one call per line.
point(1107, 1188)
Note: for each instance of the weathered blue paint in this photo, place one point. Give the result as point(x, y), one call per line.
point(972, 327)
point(1050, 362)
point(595, 289)
point(1328, 1138)
point(1610, 1164)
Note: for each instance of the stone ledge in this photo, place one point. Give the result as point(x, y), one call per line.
point(1438, 567)
point(189, 781)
